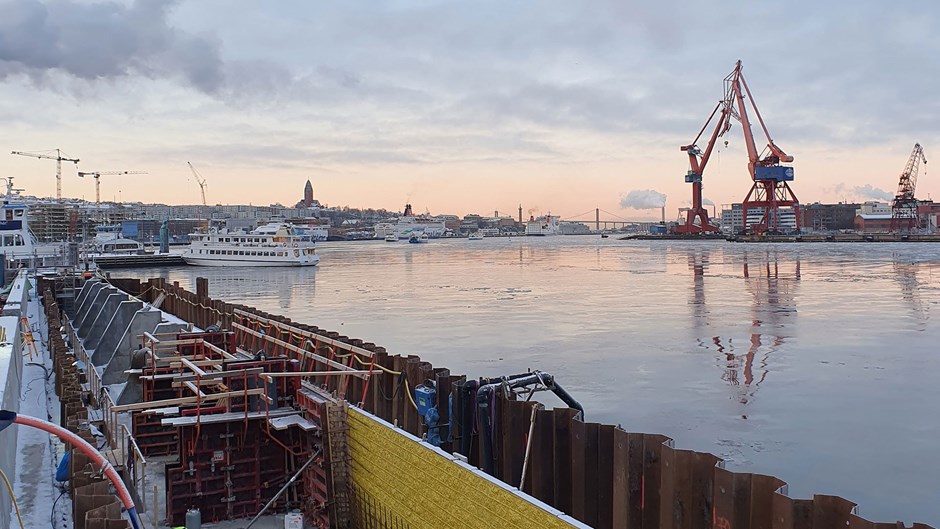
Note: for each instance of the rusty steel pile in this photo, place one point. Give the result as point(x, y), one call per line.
point(232, 403)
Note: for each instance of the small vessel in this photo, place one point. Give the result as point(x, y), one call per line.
point(418, 238)
point(391, 237)
point(110, 241)
point(541, 226)
point(280, 246)
point(604, 236)
point(475, 236)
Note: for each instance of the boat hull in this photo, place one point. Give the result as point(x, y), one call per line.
point(202, 261)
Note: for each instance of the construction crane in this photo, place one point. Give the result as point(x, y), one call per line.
point(769, 191)
point(97, 177)
point(904, 207)
point(201, 181)
point(59, 158)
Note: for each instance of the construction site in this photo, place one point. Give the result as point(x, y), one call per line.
point(179, 410)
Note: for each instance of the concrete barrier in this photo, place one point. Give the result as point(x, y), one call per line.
point(142, 321)
point(94, 310)
point(108, 310)
point(88, 292)
point(11, 378)
point(112, 334)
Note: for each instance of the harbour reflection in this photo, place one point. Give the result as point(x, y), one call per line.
point(906, 275)
point(771, 283)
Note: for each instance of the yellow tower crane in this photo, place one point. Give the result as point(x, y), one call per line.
point(59, 158)
point(97, 176)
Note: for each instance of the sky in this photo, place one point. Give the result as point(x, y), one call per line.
point(462, 107)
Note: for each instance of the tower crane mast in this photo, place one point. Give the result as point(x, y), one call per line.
point(59, 158)
point(97, 176)
point(904, 206)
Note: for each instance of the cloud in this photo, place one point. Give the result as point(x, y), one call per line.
point(867, 191)
point(103, 41)
point(643, 199)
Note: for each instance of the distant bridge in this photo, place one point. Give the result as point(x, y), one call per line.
point(611, 220)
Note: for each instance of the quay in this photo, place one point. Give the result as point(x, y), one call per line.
point(220, 412)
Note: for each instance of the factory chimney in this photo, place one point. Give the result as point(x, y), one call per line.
point(664, 215)
point(520, 213)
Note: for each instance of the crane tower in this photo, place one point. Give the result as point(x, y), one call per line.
point(59, 158)
point(770, 194)
point(904, 206)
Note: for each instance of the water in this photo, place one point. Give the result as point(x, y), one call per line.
point(816, 363)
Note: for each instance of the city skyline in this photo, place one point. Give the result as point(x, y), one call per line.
point(458, 108)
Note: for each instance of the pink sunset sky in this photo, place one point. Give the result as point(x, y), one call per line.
point(459, 107)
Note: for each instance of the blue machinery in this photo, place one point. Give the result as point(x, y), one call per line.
point(470, 408)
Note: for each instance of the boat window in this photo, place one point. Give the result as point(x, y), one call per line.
point(9, 214)
point(18, 213)
point(18, 240)
point(7, 239)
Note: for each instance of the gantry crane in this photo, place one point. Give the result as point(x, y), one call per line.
point(769, 191)
point(201, 181)
point(904, 207)
point(59, 158)
point(97, 177)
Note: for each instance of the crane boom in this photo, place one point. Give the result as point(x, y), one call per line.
point(201, 181)
point(904, 206)
point(58, 166)
point(97, 177)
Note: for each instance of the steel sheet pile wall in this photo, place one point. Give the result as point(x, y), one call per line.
point(94, 505)
point(599, 474)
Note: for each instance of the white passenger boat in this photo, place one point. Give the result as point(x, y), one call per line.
point(110, 241)
point(17, 243)
point(265, 246)
point(391, 237)
point(475, 236)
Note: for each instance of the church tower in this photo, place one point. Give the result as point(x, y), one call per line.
point(308, 194)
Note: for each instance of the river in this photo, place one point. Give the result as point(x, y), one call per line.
point(816, 363)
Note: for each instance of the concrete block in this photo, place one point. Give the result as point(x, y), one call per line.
point(88, 293)
point(112, 334)
point(94, 309)
point(108, 310)
point(168, 328)
point(120, 360)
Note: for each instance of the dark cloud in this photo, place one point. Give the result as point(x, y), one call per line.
point(104, 40)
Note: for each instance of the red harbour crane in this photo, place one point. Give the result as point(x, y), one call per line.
point(904, 207)
point(769, 192)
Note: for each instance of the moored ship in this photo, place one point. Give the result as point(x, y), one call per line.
point(544, 225)
point(266, 246)
point(410, 224)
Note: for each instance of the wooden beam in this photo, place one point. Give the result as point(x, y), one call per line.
point(185, 400)
point(298, 350)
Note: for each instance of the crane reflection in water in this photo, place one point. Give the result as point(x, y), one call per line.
point(771, 282)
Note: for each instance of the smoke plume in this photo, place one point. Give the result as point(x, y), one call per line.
point(643, 199)
point(867, 191)
point(103, 40)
